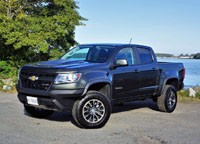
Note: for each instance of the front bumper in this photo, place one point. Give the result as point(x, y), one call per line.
point(59, 100)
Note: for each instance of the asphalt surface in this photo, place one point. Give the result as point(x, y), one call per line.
point(136, 122)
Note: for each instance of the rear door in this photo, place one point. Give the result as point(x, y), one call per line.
point(148, 71)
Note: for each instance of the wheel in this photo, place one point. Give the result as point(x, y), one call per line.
point(37, 112)
point(93, 111)
point(168, 100)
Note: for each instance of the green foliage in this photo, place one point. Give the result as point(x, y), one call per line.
point(183, 95)
point(184, 92)
point(34, 30)
point(8, 73)
point(198, 95)
point(6, 70)
point(194, 56)
point(197, 56)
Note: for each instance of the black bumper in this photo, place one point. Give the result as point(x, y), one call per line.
point(59, 100)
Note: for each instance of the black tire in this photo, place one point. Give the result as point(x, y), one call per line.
point(168, 100)
point(37, 112)
point(74, 112)
point(93, 111)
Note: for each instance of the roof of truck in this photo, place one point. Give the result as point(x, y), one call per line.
point(114, 44)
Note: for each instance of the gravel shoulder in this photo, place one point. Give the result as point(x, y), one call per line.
point(136, 122)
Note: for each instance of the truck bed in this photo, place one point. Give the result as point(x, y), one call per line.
point(167, 66)
point(169, 69)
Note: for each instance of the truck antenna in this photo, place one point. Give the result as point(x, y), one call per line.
point(130, 41)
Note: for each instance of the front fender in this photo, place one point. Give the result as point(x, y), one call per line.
point(96, 81)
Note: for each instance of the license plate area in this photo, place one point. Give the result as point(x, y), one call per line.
point(32, 100)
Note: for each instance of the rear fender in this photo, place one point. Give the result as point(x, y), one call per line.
point(165, 77)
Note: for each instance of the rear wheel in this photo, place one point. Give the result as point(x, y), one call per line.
point(37, 112)
point(93, 111)
point(168, 100)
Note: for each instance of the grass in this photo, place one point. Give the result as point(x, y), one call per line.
point(8, 91)
point(184, 96)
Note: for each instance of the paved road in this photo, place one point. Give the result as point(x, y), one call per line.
point(136, 122)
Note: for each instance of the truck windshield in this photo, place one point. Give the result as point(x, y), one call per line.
point(96, 54)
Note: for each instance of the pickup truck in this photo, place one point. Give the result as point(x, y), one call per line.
point(90, 78)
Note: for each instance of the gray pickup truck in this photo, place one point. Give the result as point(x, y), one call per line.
point(90, 78)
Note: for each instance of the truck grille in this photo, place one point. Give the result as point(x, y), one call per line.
point(42, 81)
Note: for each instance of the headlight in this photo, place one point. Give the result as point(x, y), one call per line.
point(67, 78)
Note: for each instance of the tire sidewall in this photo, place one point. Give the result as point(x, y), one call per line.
point(105, 118)
point(169, 89)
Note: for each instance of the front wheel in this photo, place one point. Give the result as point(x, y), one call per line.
point(168, 100)
point(37, 112)
point(93, 111)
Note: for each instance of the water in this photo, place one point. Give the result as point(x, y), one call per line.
point(192, 68)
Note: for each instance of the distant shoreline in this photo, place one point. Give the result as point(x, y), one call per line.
point(175, 57)
point(181, 56)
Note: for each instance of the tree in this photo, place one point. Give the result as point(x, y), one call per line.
point(35, 30)
point(181, 55)
point(197, 56)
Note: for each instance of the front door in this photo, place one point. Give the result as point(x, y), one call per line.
point(125, 79)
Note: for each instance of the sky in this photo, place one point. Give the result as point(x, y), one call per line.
point(168, 26)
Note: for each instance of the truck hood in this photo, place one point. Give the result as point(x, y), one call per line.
point(66, 64)
point(56, 66)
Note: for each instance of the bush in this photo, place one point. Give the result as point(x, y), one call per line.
point(184, 93)
point(7, 70)
point(197, 56)
point(198, 95)
point(1, 83)
point(184, 96)
point(8, 74)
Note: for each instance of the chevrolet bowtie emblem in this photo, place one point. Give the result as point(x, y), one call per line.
point(33, 78)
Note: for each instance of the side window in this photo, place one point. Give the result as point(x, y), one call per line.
point(145, 55)
point(126, 53)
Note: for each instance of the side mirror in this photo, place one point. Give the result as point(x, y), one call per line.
point(121, 62)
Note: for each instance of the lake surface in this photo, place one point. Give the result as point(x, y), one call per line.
point(192, 70)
